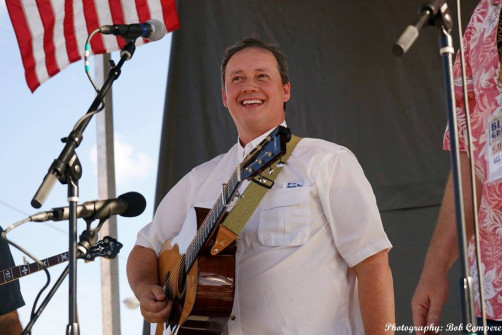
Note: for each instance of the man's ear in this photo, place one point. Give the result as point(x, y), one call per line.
point(287, 91)
point(224, 98)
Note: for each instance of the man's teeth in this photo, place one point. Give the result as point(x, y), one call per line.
point(254, 101)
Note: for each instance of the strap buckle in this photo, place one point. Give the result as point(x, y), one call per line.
point(263, 181)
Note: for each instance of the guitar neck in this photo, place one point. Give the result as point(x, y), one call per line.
point(262, 156)
point(17, 272)
point(207, 226)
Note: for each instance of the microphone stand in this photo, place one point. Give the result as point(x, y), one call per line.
point(88, 239)
point(67, 169)
point(438, 14)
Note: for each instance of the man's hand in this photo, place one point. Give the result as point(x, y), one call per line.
point(428, 300)
point(143, 278)
point(433, 287)
point(154, 305)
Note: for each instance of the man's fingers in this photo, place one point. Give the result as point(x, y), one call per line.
point(158, 312)
point(158, 293)
point(419, 311)
point(434, 315)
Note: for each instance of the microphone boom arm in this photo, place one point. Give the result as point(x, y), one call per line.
point(57, 170)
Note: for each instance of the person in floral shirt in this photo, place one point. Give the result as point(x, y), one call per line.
point(484, 97)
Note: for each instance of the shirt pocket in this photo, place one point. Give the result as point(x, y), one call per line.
point(285, 217)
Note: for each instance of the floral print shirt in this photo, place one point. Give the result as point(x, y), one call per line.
point(484, 97)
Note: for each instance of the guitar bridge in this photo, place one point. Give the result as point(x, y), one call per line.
point(263, 181)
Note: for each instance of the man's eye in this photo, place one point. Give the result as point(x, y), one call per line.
point(236, 79)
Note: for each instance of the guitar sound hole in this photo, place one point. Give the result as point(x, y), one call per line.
point(181, 282)
point(168, 291)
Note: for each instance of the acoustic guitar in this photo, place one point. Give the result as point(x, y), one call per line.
point(201, 285)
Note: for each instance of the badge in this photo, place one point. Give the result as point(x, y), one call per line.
point(494, 140)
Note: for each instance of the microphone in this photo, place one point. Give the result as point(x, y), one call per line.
point(426, 14)
point(152, 30)
point(129, 205)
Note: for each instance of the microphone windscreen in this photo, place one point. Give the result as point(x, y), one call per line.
point(136, 204)
point(158, 30)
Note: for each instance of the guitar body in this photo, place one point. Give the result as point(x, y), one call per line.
point(203, 299)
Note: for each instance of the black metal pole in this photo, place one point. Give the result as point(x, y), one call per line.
point(466, 283)
point(436, 12)
point(72, 328)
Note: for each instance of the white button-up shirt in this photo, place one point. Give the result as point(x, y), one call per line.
point(294, 256)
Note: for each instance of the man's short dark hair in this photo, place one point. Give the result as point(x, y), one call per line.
point(253, 42)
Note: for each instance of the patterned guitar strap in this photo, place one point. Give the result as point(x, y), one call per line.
point(244, 208)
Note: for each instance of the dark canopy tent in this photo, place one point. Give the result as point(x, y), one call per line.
point(347, 87)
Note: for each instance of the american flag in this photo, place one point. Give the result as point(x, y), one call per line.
point(52, 33)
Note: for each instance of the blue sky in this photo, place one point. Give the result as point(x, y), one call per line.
point(31, 126)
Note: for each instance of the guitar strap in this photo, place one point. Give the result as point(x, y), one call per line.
point(244, 208)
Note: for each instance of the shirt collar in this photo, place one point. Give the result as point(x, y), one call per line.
point(243, 151)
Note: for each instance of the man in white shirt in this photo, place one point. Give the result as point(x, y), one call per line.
point(312, 258)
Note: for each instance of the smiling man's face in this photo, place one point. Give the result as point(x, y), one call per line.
point(254, 93)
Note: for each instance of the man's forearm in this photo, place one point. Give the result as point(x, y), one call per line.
point(141, 269)
point(376, 293)
point(443, 248)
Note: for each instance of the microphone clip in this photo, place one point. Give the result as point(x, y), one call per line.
point(128, 50)
point(89, 236)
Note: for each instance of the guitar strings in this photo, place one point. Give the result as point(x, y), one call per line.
point(205, 228)
point(209, 221)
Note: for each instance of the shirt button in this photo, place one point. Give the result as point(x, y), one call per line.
point(232, 317)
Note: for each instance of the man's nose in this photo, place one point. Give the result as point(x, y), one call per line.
point(249, 86)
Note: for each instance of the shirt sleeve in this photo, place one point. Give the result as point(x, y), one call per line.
point(169, 216)
point(350, 207)
point(10, 293)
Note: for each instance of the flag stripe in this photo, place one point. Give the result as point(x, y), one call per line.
point(130, 13)
point(155, 10)
point(24, 38)
point(170, 14)
point(91, 20)
point(131, 16)
point(117, 17)
point(80, 26)
point(105, 17)
point(51, 34)
point(62, 58)
point(47, 17)
point(143, 10)
point(69, 32)
point(37, 30)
